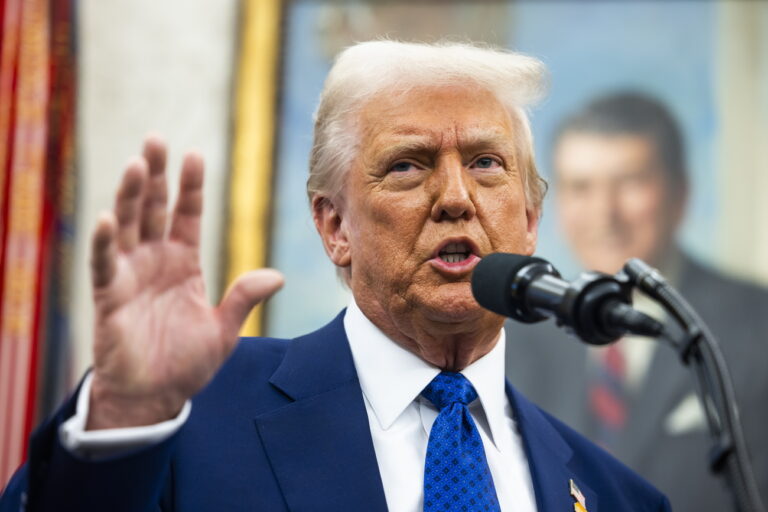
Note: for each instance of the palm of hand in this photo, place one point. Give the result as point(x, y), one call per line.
point(157, 340)
point(155, 329)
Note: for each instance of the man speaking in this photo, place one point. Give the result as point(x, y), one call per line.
point(422, 164)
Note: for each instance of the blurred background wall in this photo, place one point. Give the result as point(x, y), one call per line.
point(145, 66)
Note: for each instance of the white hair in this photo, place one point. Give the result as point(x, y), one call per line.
point(366, 69)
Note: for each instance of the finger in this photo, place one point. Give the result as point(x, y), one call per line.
point(104, 250)
point(185, 225)
point(246, 292)
point(153, 214)
point(128, 204)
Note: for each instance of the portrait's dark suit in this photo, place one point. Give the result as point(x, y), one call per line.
point(551, 368)
point(283, 426)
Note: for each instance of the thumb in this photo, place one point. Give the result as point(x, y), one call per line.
point(246, 292)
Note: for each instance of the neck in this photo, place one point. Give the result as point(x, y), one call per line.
point(448, 343)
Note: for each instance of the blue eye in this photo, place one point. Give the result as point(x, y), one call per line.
point(401, 167)
point(485, 162)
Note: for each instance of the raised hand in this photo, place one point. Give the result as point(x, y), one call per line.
point(157, 339)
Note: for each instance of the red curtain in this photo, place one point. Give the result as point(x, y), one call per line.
point(37, 98)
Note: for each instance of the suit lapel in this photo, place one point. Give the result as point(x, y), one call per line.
point(548, 458)
point(320, 445)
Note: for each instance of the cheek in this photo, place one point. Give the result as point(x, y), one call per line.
point(574, 234)
point(576, 213)
point(386, 229)
point(391, 209)
point(504, 217)
point(571, 217)
point(644, 209)
point(396, 216)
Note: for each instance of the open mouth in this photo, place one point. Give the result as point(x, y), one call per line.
point(455, 252)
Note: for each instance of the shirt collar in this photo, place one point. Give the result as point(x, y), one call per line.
point(392, 377)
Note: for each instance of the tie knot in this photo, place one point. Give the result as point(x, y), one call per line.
point(449, 388)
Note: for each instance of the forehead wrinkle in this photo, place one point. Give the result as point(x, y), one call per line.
point(415, 139)
point(483, 137)
point(408, 140)
point(413, 130)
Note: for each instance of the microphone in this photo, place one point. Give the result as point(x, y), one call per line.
point(596, 307)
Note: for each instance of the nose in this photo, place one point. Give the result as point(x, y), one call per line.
point(605, 206)
point(453, 192)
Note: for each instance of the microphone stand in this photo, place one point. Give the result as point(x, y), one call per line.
point(597, 308)
point(699, 350)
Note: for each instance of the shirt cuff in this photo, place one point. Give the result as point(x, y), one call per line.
point(100, 444)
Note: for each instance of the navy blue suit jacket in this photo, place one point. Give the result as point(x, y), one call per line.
point(283, 427)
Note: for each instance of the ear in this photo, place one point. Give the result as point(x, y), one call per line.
point(532, 229)
point(332, 229)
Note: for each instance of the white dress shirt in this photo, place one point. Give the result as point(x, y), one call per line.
point(97, 444)
point(392, 379)
point(400, 420)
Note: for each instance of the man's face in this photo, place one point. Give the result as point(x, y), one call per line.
point(614, 200)
point(434, 188)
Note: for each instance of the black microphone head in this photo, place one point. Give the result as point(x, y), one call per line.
point(492, 282)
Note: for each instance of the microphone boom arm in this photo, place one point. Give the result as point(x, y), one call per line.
point(699, 349)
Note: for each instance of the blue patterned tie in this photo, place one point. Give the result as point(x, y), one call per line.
point(456, 474)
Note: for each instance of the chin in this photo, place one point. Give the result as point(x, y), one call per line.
point(452, 303)
point(604, 261)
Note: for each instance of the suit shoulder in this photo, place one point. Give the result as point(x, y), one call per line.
point(253, 361)
point(257, 347)
point(257, 352)
point(700, 277)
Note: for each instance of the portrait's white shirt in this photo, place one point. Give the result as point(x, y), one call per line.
point(400, 420)
point(392, 379)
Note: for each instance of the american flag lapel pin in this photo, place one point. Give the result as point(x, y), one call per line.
point(581, 502)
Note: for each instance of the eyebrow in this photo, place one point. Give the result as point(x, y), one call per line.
point(486, 138)
point(410, 139)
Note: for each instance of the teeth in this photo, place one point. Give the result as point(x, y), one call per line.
point(455, 252)
point(455, 247)
point(454, 258)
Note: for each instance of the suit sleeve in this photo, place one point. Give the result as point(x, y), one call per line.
point(55, 479)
